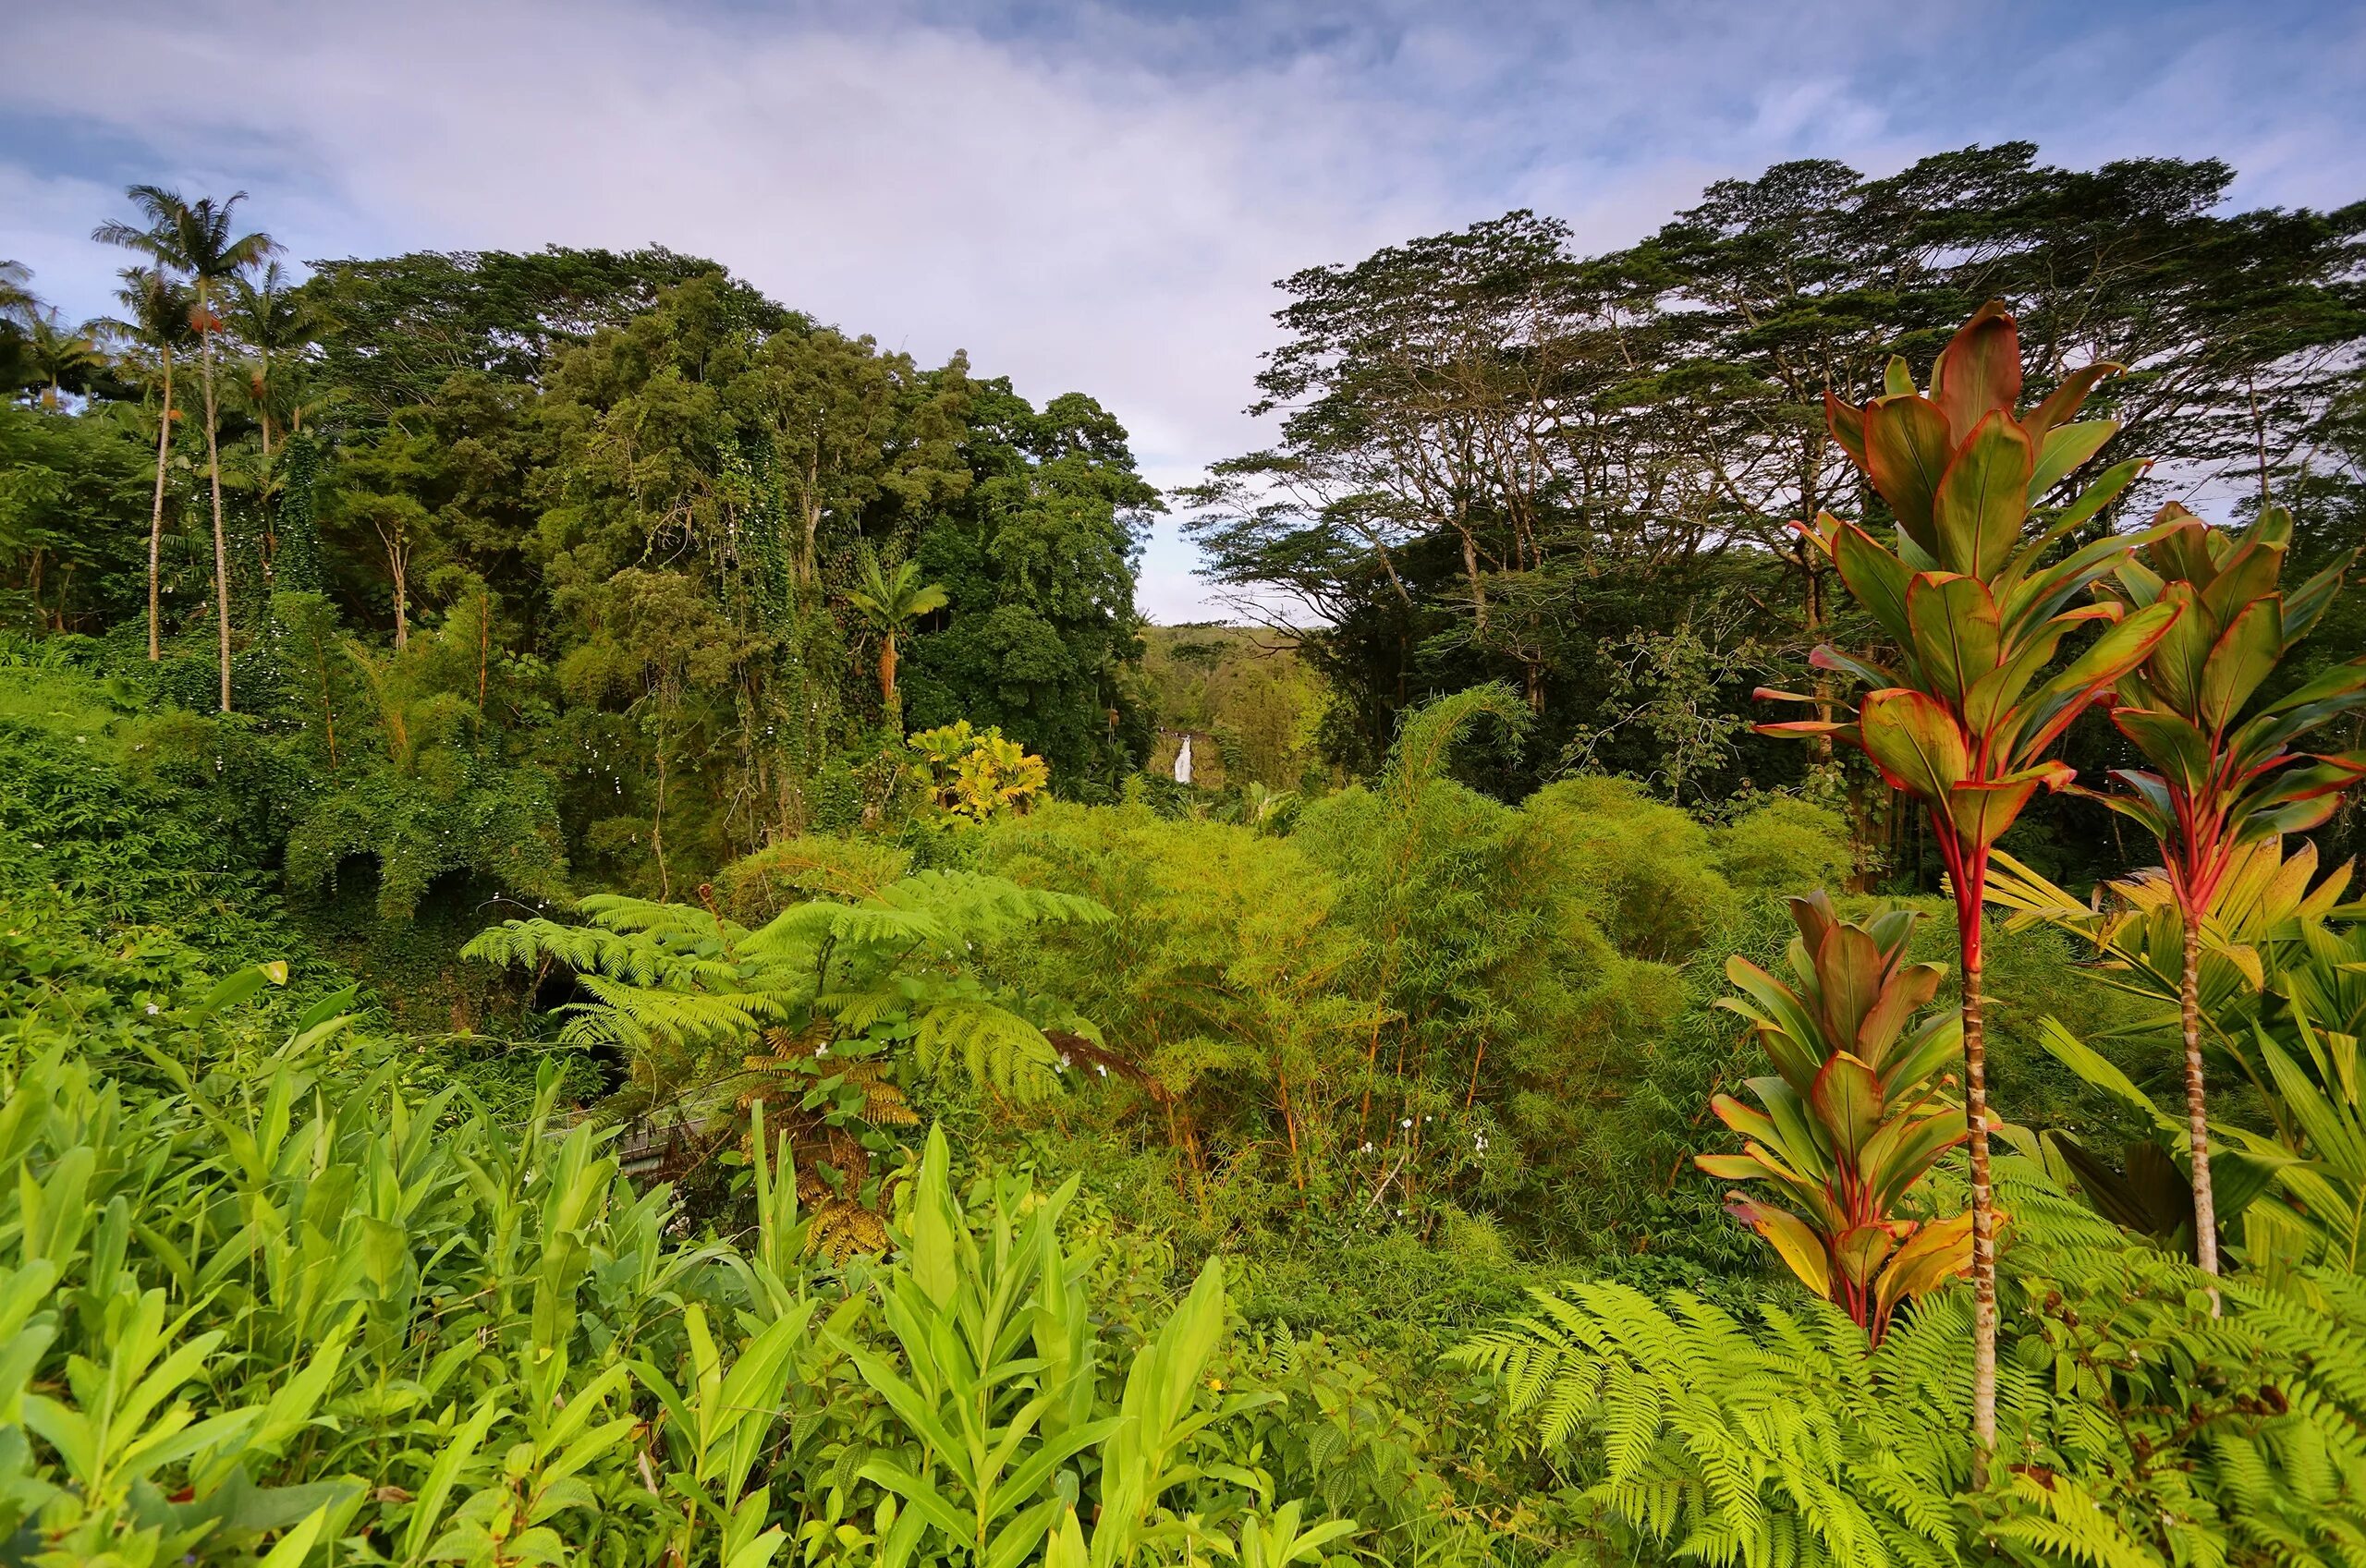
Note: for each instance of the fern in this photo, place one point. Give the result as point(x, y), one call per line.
point(686, 994)
point(2138, 1429)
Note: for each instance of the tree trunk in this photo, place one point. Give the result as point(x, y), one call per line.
point(156, 515)
point(214, 473)
point(889, 700)
point(2205, 1205)
point(1971, 872)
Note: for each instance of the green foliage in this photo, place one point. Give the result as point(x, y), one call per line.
point(969, 776)
point(2135, 1427)
point(1853, 1117)
point(685, 994)
point(266, 1294)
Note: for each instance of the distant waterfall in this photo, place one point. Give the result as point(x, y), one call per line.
point(1183, 762)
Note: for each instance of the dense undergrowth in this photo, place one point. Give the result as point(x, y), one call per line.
point(285, 1276)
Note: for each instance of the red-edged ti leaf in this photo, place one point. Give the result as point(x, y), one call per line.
point(1914, 740)
point(1978, 373)
point(1954, 631)
point(1906, 989)
point(1794, 1243)
point(2062, 450)
point(2062, 405)
point(1861, 1249)
point(1981, 812)
point(1983, 498)
point(1906, 453)
point(1848, 971)
point(1826, 657)
point(2062, 699)
point(1847, 1100)
point(1875, 579)
point(1846, 422)
point(2182, 552)
point(2179, 752)
point(2245, 655)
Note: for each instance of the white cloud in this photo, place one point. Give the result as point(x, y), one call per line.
point(1098, 205)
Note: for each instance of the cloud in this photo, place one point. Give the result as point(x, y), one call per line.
point(1085, 197)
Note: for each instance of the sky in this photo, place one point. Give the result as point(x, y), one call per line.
point(1096, 198)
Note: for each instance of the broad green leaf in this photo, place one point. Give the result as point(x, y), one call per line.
point(2063, 449)
point(1915, 741)
point(1906, 452)
point(1848, 1097)
point(2245, 655)
point(1978, 373)
point(2169, 741)
point(1954, 631)
point(1982, 499)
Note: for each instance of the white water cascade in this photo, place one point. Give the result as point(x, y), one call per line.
point(1183, 762)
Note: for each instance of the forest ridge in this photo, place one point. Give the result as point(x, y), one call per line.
point(604, 958)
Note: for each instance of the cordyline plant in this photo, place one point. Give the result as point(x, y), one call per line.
point(1853, 1118)
point(1976, 615)
point(2218, 781)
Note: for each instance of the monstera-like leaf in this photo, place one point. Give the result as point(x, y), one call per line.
point(1853, 1116)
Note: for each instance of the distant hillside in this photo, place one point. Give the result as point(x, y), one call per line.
point(1252, 705)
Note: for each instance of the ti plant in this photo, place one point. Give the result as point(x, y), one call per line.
point(1853, 1116)
point(2219, 774)
point(1977, 613)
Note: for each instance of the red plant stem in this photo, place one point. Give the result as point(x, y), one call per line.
point(1968, 869)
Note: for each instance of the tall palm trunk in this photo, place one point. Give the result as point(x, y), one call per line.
point(890, 699)
point(2206, 1203)
point(214, 473)
point(157, 513)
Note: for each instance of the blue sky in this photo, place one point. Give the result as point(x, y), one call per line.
point(1093, 197)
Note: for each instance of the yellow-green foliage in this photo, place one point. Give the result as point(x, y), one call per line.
point(969, 775)
point(1417, 994)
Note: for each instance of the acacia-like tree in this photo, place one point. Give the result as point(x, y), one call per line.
point(888, 602)
point(198, 240)
point(1966, 722)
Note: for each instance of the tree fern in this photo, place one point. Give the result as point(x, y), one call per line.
point(685, 994)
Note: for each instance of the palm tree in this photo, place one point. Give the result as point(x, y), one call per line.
point(57, 352)
point(157, 308)
point(888, 602)
point(15, 300)
point(196, 238)
point(272, 320)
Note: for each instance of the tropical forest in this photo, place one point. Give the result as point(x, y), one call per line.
point(620, 942)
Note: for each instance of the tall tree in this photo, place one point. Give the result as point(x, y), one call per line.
point(199, 240)
point(58, 353)
point(158, 310)
point(272, 320)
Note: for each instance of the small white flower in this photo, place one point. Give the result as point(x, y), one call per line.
point(1406, 1122)
point(1101, 1068)
point(1367, 1147)
point(153, 1009)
